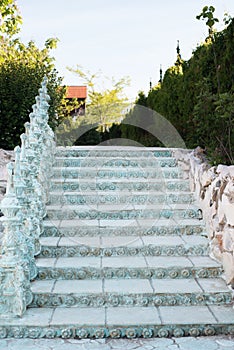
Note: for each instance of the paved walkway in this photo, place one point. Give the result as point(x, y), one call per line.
point(189, 343)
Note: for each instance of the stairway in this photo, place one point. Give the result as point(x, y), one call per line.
point(124, 252)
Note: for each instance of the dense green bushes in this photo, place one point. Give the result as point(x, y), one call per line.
point(22, 68)
point(198, 98)
point(21, 75)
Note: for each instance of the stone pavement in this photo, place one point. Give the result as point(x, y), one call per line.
point(187, 343)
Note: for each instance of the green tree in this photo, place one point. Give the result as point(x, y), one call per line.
point(207, 14)
point(10, 18)
point(136, 116)
point(105, 106)
point(198, 98)
point(141, 99)
point(22, 68)
point(222, 101)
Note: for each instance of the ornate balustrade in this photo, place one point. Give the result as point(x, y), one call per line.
point(24, 207)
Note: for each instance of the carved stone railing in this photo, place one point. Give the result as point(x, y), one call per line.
point(24, 207)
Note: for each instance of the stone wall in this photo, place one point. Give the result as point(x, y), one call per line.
point(214, 192)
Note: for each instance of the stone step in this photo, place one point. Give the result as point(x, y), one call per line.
point(114, 267)
point(112, 173)
point(121, 322)
point(123, 212)
point(105, 162)
point(123, 184)
point(115, 151)
point(134, 292)
point(124, 246)
point(124, 252)
point(92, 228)
point(120, 197)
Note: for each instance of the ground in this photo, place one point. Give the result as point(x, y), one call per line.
point(187, 343)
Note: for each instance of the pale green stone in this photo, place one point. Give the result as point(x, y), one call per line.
point(186, 315)
point(157, 343)
point(127, 344)
point(176, 286)
point(81, 316)
point(127, 286)
point(78, 286)
point(96, 346)
point(132, 316)
point(196, 343)
point(225, 343)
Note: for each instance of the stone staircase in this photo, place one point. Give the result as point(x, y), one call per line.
point(124, 252)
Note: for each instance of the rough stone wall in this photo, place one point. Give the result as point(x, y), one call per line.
point(214, 192)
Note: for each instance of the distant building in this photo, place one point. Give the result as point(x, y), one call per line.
point(80, 94)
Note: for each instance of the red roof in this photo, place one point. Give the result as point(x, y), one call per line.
point(76, 92)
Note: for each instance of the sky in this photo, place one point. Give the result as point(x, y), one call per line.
point(120, 38)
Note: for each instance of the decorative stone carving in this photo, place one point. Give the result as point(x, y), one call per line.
point(111, 185)
point(73, 173)
point(5, 157)
point(79, 199)
point(51, 231)
point(135, 300)
point(179, 250)
point(54, 214)
point(14, 276)
point(159, 273)
point(74, 152)
point(114, 333)
point(116, 162)
point(24, 208)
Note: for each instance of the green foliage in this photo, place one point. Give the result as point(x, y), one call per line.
point(215, 113)
point(91, 137)
point(22, 68)
point(137, 133)
point(104, 105)
point(207, 14)
point(199, 99)
point(10, 18)
point(141, 99)
point(105, 108)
